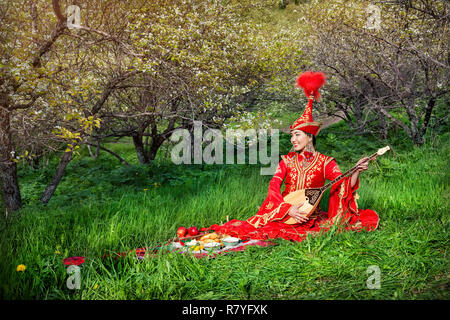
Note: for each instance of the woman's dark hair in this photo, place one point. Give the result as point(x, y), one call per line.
point(313, 138)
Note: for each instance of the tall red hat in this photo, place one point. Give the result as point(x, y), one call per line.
point(310, 82)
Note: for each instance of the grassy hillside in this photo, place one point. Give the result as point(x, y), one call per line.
point(102, 207)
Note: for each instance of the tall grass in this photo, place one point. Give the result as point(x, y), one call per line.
point(102, 208)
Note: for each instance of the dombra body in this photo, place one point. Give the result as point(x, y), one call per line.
point(311, 197)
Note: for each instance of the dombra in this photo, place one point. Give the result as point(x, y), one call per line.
point(311, 197)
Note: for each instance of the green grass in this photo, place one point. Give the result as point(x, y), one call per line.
point(101, 207)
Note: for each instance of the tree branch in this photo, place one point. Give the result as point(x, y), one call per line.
point(109, 89)
point(123, 161)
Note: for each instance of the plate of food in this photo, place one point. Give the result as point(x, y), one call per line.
point(191, 243)
point(212, 244)
point(197, 249)
point(209, 236)
point(177, 245)
point(231, 241)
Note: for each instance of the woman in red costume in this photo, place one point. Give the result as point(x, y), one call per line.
point(301, 169)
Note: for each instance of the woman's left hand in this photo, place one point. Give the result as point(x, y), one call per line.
point(362, 165)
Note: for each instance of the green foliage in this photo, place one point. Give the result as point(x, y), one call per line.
point(93, 216)
point(102, 207)
point(357, 48)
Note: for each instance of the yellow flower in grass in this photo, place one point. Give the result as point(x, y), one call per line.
point(145, 190)
point(96, 286)
point(21, 268)
point(57, 252)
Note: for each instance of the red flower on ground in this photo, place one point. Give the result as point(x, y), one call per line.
point(73, 261)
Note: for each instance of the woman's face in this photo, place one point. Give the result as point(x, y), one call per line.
point(299, 140)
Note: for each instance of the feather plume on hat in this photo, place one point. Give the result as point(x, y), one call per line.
point(310, 82)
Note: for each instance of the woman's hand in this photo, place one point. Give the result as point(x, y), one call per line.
point(361, 165)
point(295, 213)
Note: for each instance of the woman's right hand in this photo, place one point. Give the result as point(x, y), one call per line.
point(295, 213)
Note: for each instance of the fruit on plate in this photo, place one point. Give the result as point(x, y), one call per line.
point(193, 231)
point(209, 236)
point(181, 232)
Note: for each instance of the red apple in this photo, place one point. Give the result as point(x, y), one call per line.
point(181, 232)
point(193, 231)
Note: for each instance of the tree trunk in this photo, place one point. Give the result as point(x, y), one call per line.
point(428, 111)
point(383, 126)
point(51, 187)
point(10, 188)
point(8, 168)
point(34, 163)
point(358, 106)
point(2, 202)
point(154, 147)
point(140, 150)
point(416, 134)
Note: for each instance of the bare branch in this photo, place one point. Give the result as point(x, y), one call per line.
point(123, 161)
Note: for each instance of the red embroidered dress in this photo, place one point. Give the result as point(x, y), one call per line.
point(300, 173)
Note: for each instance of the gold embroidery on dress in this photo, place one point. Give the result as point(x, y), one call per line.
point(302, 181)
point(340, 210)
point(288, 160)
point(255, 224)
point(266, 217)
point(356, 197)
point(293, 176)
point(278, 170)
point(278, 211)
point(300, 177)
